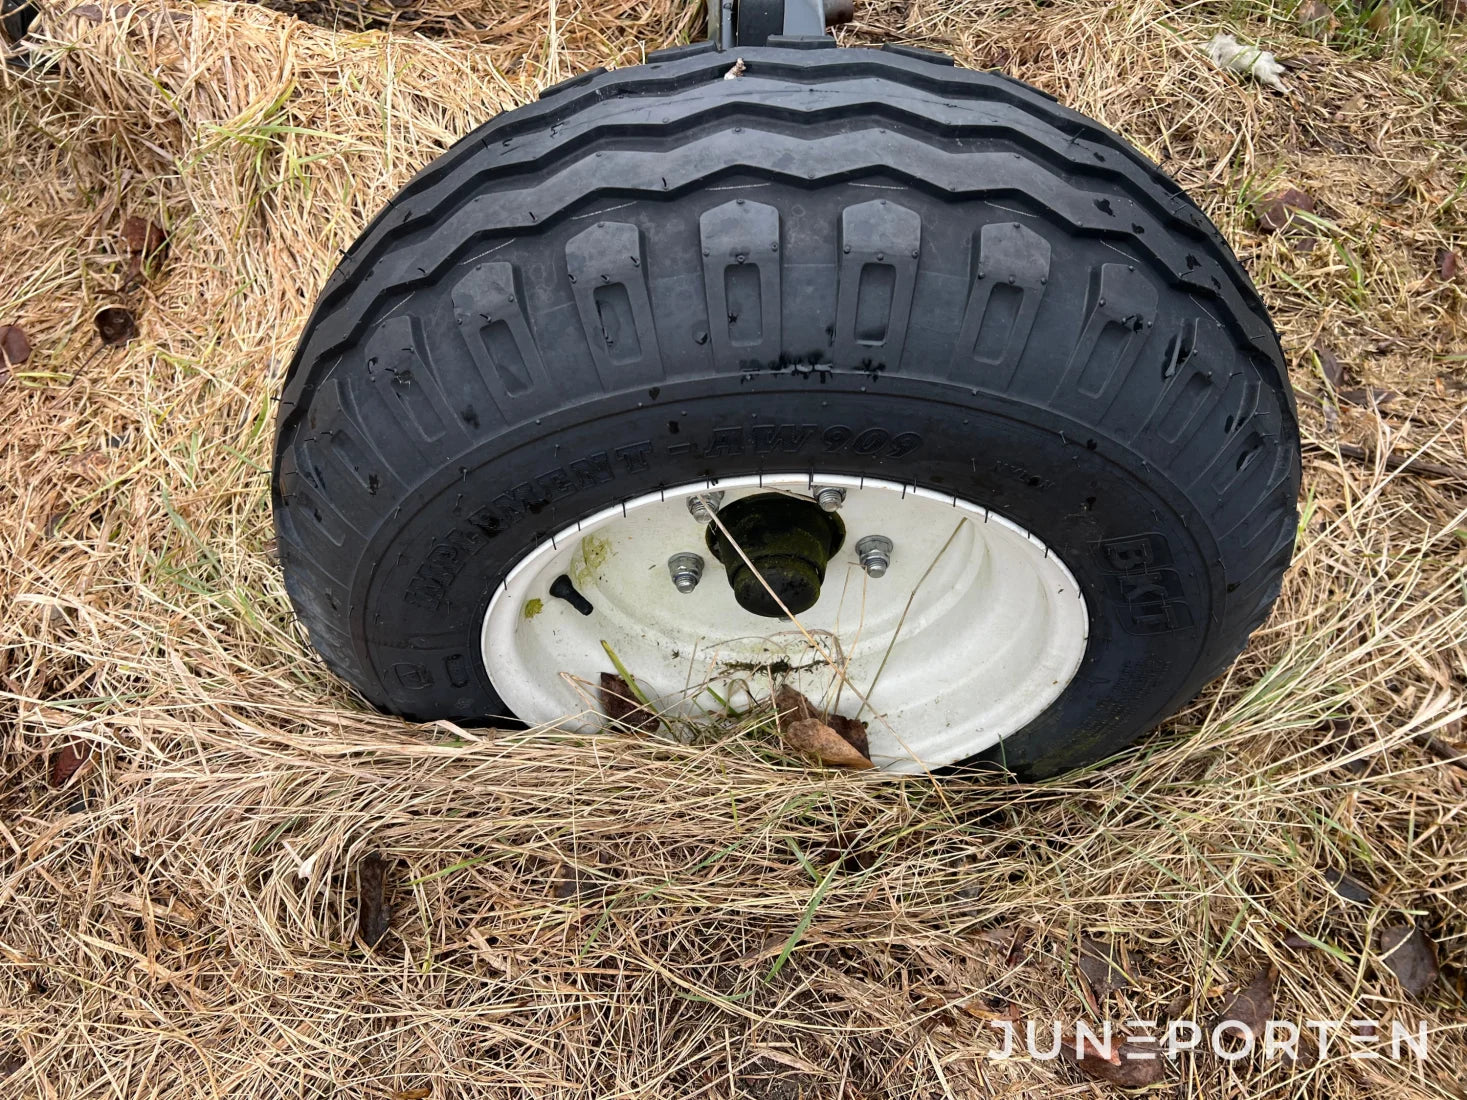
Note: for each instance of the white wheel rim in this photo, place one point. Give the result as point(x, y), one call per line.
point(995, 630)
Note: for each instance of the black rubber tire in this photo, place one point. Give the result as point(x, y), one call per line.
point(846, 261)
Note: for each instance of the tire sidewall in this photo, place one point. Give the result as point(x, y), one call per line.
point(1130, 538)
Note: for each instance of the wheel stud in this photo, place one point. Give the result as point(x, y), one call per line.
point(875, 554)
point(686, 570)
point(830, 499)
point(702, 506)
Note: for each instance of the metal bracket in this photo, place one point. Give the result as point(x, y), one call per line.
point(733, 23)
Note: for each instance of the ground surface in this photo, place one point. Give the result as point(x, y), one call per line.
point(618, 916)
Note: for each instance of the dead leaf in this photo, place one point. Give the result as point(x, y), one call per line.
point(1016, 949)
point(92, 13)
point(1446, 263)
point(15, 348)
point(422, 1092)
point(853, 730)
point(1280, 210)
point(1368, 397)
point(1252, 1006)
point(116, 325)
point(1347, 887)
point(1350, 111)
point(812, 738)
point(620, 705)
point(1411, 956)
point(1330, 366)
point(148, 244)
point(375, 916)
point(572, 882)
point(69, 761)
point(1130, 1065)
point(791, 707)
point(1100, 962)
point(1316, 18)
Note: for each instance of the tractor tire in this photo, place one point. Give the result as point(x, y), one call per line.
point(845, 265)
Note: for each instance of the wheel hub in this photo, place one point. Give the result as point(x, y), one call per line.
point(787, 542)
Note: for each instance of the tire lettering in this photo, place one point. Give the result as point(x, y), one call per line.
point(726, 441)
point(634, 456)
point(441, 565)
point(590, 471)
point(1139, 580)
point(836, 437)
point(870, 441)
point(787, 438)
point(904, 444)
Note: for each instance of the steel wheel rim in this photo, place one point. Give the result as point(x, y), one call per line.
point(974, 631)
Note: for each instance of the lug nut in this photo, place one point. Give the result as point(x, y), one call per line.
point(875, 554)
point(686, 569)
point(701, 507)
point(830, 499)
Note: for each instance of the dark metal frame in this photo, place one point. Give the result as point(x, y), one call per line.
point(734, 23)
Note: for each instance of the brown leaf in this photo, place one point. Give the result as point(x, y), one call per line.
point(812, 738)
point(1016, 948)
point(1348, 887)
point(1368, 396)
point(790, 707)
point(1280, 210)
point(1316, 18)
point(375, 916)
point(69, 761)
point(422, 1092)
point(1411, 956)
point(1130, 1065)
point(92, 13)
point(854, 732)
point(1446, 263)
point(15, 347)
point(1330, 366)
point(572, 882)
point(619, 704)
point(141, 235)
point(116, 325)
point(1251, 1006)
point(1100, 962)
point(148, 244)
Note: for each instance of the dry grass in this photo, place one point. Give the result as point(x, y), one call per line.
point(178, 921)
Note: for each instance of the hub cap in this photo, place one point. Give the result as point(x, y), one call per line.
point(974, 629)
